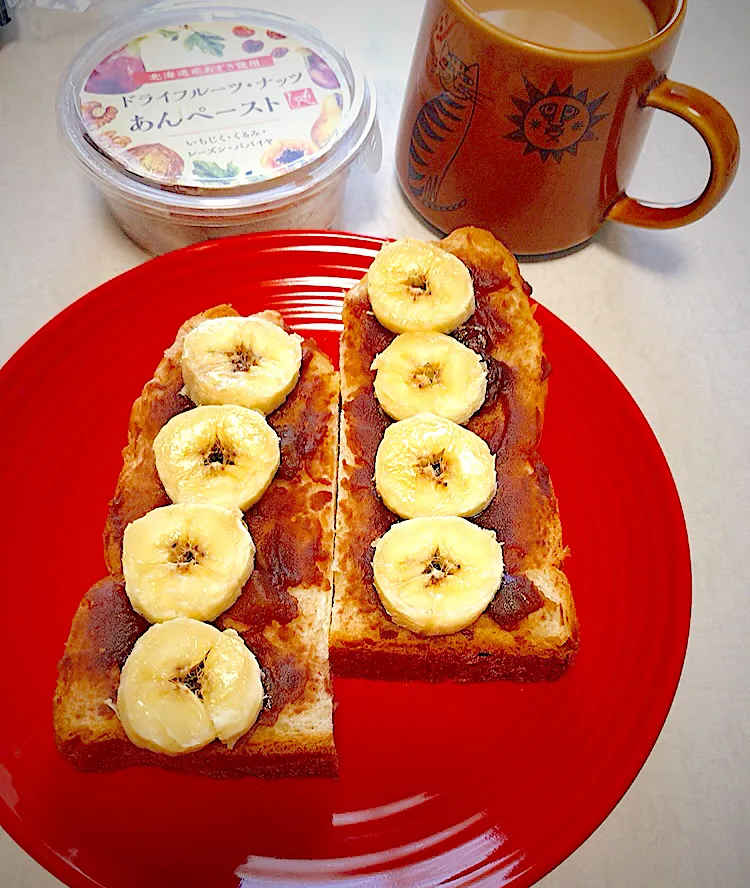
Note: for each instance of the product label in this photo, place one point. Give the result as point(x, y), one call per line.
point(214, 104)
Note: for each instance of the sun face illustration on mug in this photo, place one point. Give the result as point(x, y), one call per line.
point(555, 121)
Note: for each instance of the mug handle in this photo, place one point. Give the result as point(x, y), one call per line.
point(718, 130)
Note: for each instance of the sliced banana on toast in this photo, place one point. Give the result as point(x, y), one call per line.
point(185, 684)
point(435, 576)
point(186, 560)
point(247, 361)
point(417, 286)
point(429, 466)
point(429, 373)
point(225, 455)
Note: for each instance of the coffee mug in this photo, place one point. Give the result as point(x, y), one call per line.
point(537, 144)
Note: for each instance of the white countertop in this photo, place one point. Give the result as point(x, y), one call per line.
point(668, 311)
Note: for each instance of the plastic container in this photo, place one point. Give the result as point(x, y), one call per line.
point(197, 122)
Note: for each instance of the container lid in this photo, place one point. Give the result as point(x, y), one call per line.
point(207, 101)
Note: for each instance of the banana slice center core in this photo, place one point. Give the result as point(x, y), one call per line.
point(192, 679)
point(418, 286)
point(219, 455)
point(436, 467)
point(184, 553)
point(439, 567)
point(427, 375)
point(243, 358)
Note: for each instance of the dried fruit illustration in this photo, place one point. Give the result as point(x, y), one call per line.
point(116, 72)
point(319, 71)
point(242, 31)
point(285, 152)
point(330, 115)
point(111, 139)
point(252, 45)
point(274, 35)
point(158, 160)
point(278, 52)
point(96, 116)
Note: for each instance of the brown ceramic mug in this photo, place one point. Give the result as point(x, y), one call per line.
point(538, 144)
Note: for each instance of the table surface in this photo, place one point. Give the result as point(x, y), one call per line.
point(668, 311)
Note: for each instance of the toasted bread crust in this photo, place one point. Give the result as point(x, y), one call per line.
point(284, 617)
point(461, 666)
point(364, 640)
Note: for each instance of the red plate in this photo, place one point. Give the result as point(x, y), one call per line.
point(467, 785)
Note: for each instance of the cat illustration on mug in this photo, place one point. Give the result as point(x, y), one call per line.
point(442, 123)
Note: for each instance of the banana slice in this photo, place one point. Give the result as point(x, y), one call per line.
point(414, 285)
point(427, 465)
point(186, 560)
point(225, 455)
point(185, 684)
point(429, 373)
point(247, 361)
point(232, 687)
point(435, 576)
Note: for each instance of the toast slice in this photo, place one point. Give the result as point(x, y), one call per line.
point(282, 613)
point(529, 632)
